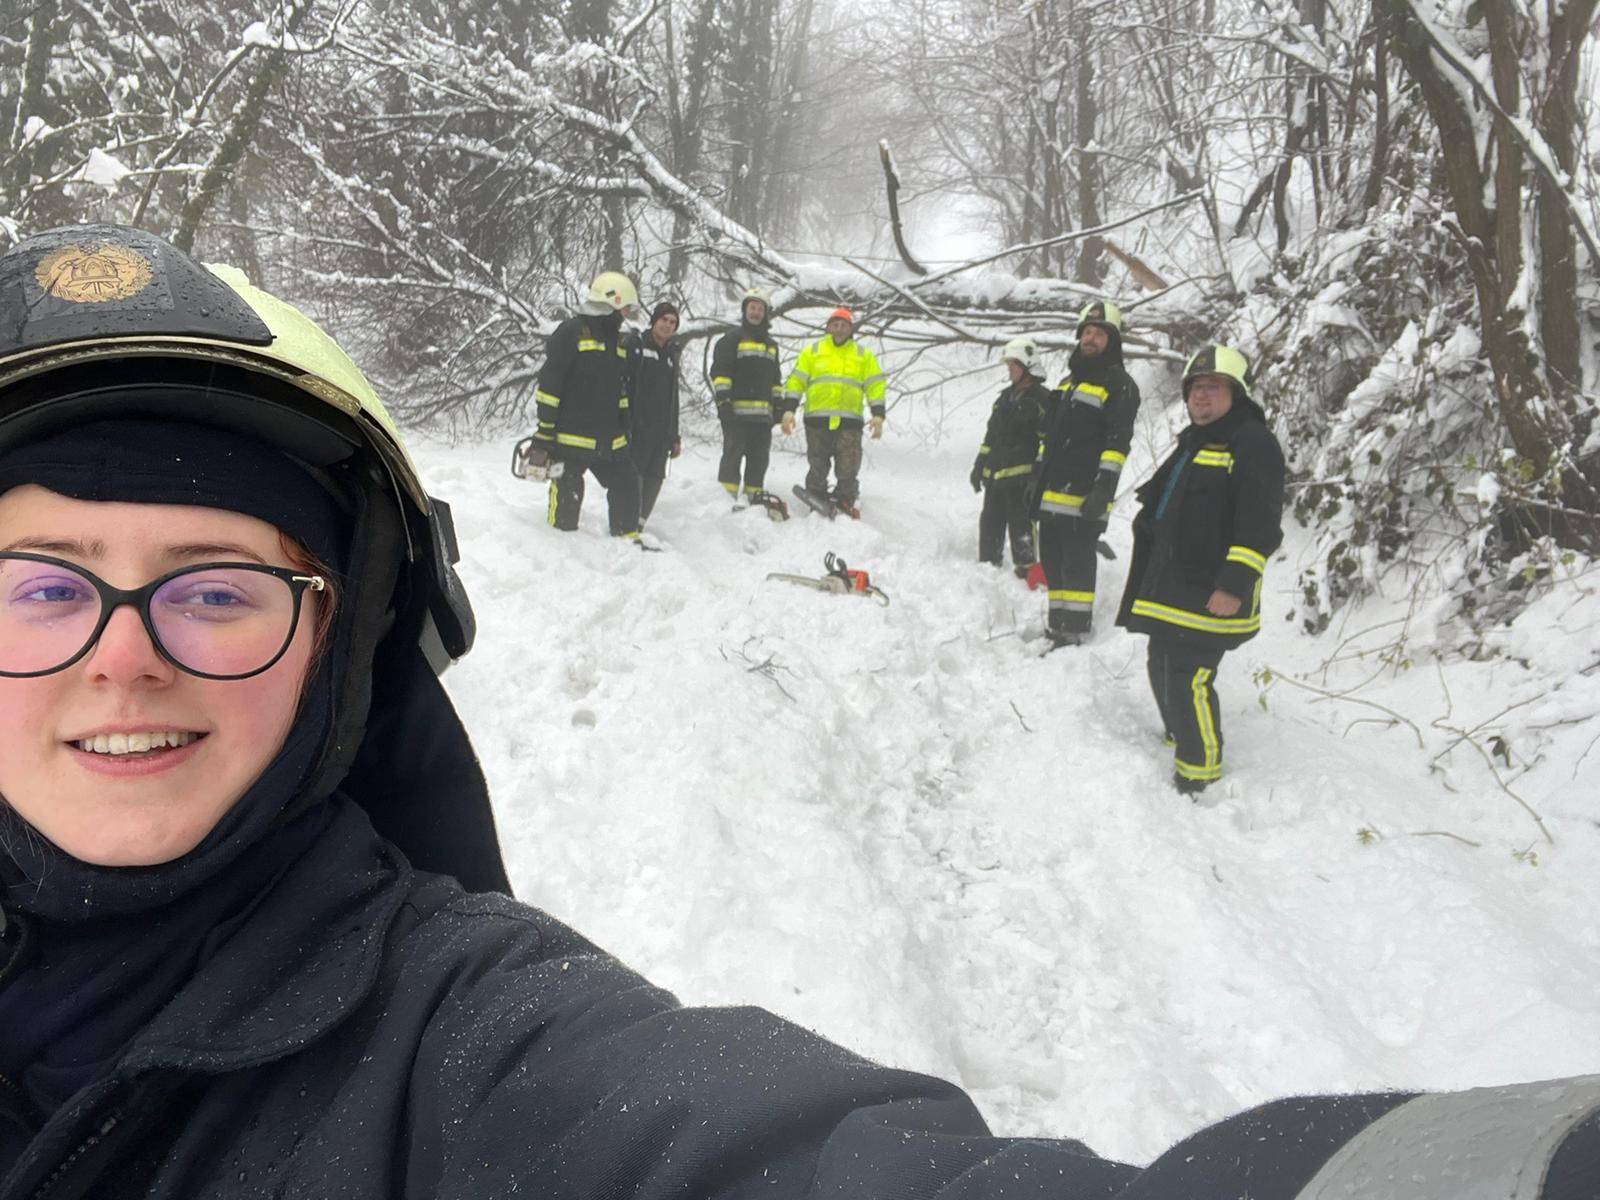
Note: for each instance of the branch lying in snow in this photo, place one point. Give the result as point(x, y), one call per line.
point(1464, 735)
point(961, 306)
point(1534, 147)
point(1324, 694)
point(1025, 726)
point(1504, 787)
point(923, 308)
point(750, 252)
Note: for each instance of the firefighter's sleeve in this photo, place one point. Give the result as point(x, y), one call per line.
point(1047, 409)
point(672, 410)
point(800, 378)
point(990, 434)
point(723, 359)
point(783, 400)
point(559, 354)
point(1120, 411)
point(1256, 487)
point(876, 384)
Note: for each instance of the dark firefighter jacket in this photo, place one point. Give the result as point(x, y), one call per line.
point(582, 391)
point(746, 378)
point(1088, 427)
point(652, 386)
point(1210, 519)
point(1011, 440)
point(374, 1033)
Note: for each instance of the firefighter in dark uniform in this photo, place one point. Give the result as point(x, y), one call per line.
point(584, 418)
point(1004, 466)
point(653, 402)
point(1088, 426)
point(1210, 519)
point(748, 384)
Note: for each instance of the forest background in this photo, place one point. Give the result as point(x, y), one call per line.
point(1390, 205)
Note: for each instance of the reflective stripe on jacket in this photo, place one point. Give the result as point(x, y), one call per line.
point(838, 383)
point(1087, 429)
point(1211, 518)
point(746, 378)
point(582, 391)
point(1011, 438)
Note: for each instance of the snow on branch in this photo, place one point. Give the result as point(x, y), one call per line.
point(1528, 139)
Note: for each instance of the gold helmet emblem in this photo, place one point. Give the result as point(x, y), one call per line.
point(84, 276)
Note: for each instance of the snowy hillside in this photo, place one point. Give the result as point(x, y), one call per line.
point(902, 827)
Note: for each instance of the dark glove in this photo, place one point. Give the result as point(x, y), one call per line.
point(1032, 493)
point(976, 478)
point(1099, 498)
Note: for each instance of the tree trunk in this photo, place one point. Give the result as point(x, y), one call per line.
point(1487, 199)
point(1089, 269)
point(241, 132)
point(686, 112)
point(30, 100)
point(1558, 122)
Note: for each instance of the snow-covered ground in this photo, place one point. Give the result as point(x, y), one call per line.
point(903, 828)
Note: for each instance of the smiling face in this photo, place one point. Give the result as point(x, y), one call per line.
point(148, 806)
point(1210, 398)
point(1093, 339)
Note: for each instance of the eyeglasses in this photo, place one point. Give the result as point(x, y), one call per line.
point(215, 620)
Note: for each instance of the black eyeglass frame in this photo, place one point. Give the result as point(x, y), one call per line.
point(113, 598)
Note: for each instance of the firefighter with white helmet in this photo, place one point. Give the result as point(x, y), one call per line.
point(747, 381)
point(584, 421)
point(1004, 466)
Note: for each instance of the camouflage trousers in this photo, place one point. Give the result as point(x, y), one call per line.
point(839, 449)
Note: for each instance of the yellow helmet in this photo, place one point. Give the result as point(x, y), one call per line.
point(1219, 360)
point(1100, 312)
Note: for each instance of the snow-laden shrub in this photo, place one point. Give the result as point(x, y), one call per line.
point(1370, 364)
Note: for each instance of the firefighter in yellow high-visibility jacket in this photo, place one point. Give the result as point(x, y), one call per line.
point(839, 381)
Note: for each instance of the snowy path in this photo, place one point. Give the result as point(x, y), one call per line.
point(903, 828)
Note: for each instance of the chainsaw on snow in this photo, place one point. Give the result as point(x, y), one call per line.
point(839, 578)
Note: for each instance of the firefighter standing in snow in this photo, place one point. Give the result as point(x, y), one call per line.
point(1088, 426)
point(652, 386)
point(748, 385)
point(584, 419)
point(839, 380)
point(1004, 465)
point(1210, 519)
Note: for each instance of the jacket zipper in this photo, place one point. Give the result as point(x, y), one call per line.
point(14, 1106)
point(101, 1132)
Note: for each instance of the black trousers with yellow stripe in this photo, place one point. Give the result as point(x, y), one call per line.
point(1183, 680)
point(1005, 509)
point(618, 476)
point(1067, 549)
point(746, 451)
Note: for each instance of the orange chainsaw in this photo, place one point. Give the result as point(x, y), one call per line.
point(840, 578)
